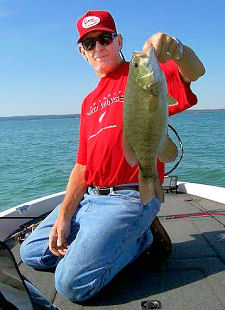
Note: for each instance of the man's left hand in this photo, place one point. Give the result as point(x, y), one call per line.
point(166, 47)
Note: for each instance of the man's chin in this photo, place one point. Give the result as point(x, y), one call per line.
point(104, 68)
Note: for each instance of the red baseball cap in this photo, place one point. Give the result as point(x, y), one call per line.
point(95, 20)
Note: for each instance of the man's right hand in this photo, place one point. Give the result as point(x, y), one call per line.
point(58, 238)
point(76, 187)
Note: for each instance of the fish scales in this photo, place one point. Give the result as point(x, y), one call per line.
point(145, 123)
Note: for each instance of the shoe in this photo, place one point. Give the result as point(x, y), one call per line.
point(160, 249)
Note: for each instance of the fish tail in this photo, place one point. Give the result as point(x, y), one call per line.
point(149, 188)
point(159, 193)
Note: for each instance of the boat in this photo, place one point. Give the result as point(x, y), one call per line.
point(192, 278)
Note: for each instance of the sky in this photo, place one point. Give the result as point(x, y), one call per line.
point(42, 72)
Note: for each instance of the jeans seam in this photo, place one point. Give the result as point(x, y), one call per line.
point(88, 205)
point(116, 195)
point(101, 276)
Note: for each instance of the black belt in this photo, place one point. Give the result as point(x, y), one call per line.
point(100, 190)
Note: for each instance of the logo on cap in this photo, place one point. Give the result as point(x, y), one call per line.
point(90, 21)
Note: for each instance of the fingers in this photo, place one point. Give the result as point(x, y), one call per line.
point(165, 46)
point(58, 236)
point(62, 249)
point(62, 245)
point(57, 245)
point(146, 46)
point(53, 237)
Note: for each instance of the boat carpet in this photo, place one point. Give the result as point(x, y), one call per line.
point(192, 278)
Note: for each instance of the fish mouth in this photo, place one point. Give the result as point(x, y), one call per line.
point(139, 54)
point(146, 77)
point(142, 59)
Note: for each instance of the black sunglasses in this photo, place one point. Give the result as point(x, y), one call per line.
point(104, 39)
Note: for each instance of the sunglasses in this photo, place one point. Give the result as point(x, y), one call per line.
point(104, 39)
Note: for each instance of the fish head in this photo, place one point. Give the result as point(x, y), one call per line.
point(145, 69)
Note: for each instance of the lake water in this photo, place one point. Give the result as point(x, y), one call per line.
point(36, 156)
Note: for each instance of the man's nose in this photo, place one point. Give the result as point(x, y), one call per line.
point(98, 46)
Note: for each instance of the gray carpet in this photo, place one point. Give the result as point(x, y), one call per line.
point(193, 278)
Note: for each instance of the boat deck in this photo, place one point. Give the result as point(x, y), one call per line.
point(192, 278)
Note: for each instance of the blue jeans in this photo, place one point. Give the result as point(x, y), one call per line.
point(107, 233)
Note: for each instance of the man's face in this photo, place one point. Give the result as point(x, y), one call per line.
point(103, 59)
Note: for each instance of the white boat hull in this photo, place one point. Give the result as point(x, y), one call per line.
point(45, 204)
point(210, 192)
point(33, 208)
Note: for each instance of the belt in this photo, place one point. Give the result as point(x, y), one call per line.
point(101, 190)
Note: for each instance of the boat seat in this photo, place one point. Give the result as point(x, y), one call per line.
point(170, 183)
point(17, 292)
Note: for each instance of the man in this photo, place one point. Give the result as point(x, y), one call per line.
point(101, 225)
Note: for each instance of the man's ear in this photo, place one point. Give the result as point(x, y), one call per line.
point(120, 41)
point(82, 51)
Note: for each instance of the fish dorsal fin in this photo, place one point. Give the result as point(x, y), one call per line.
point(171, 101)
point(169, 152)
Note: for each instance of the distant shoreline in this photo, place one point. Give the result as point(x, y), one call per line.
point(39, 117)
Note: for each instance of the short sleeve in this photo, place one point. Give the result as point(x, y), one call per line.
point(82, 148)
point(177, 88)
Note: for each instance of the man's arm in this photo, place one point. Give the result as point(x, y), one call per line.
point(166, 47)
point(189, 65)
point(75, 190)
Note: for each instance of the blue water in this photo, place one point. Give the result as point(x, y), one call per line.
point(36, 156)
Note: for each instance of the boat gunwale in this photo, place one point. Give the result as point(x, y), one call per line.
point(24, 212)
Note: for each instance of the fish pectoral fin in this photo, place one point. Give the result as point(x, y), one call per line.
point(171, 101)
point(169, 152)
point(149, 188)
point(128, 153)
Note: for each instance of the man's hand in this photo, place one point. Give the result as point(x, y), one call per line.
point(58, 238)
point(76, 187)
point(166, 47)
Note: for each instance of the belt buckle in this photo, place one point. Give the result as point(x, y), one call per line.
point(101, 190)
point(96, 189)
point(105, 190)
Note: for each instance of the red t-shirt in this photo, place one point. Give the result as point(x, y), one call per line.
point(100, 142)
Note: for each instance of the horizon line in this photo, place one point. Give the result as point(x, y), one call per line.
point(76, 114)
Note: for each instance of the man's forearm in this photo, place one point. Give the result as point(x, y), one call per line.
point(190, 66)
point(75, 190)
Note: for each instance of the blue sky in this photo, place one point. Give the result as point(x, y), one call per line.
point(42, 72)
